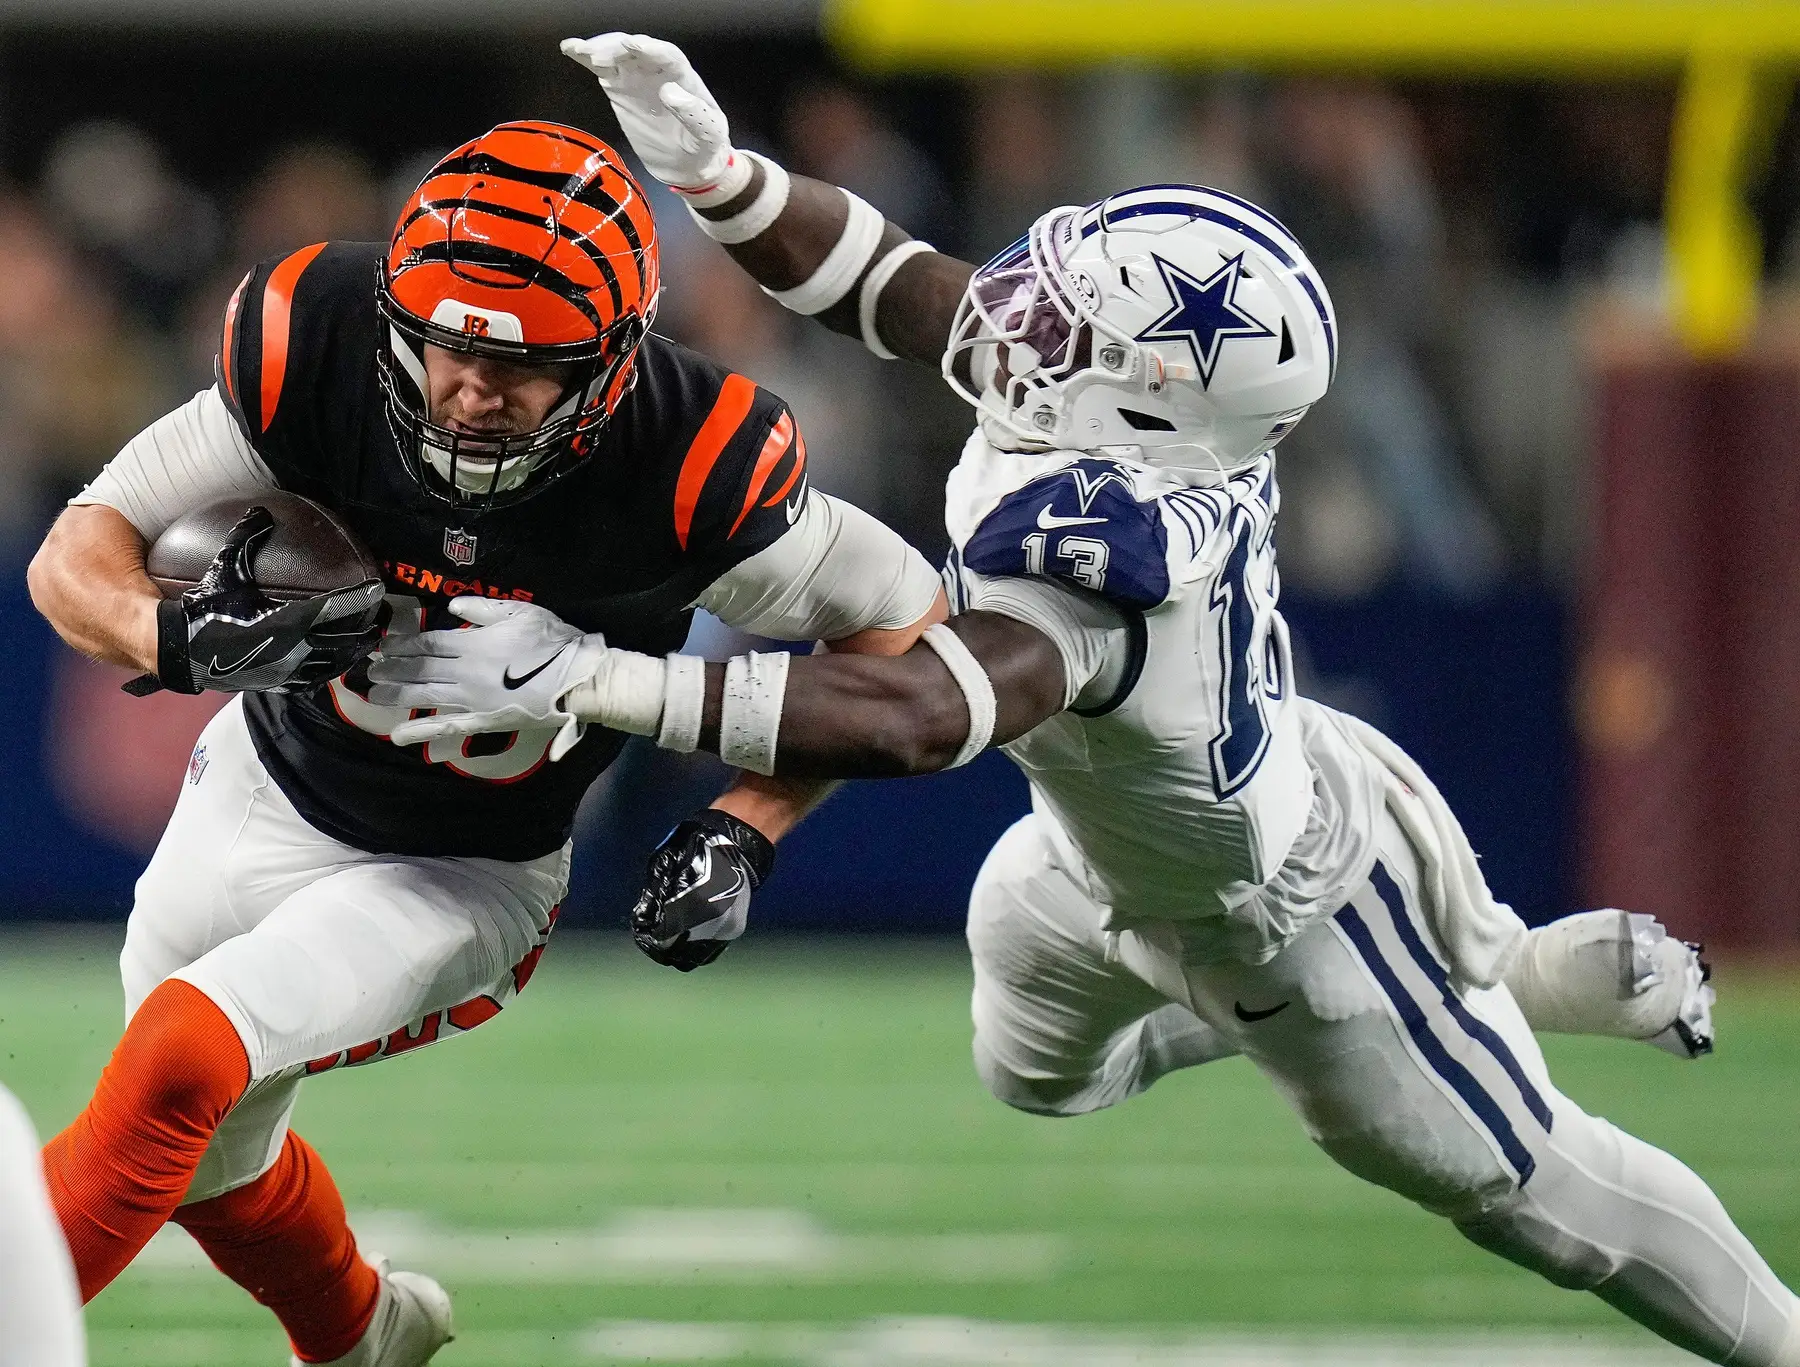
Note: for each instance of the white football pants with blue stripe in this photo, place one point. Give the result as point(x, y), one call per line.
point(1433, 1092)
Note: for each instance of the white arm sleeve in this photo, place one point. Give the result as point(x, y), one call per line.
point(836, 571)
point(1089, 633)
point(176, 463)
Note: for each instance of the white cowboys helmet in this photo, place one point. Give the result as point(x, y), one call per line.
point(1179, 320)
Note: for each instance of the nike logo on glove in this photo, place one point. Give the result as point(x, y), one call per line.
point(218, 671)
point(1251, 1017)
point(730, 893)
point(506, 677)
point(1049, 521)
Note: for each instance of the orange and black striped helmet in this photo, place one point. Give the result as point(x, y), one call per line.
point(532, 244)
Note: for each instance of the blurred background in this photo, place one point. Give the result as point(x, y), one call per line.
point(1538, 532)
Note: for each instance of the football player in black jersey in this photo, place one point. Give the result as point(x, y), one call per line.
point(481, 400)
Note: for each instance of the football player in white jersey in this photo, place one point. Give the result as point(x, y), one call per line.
point(1213, 864)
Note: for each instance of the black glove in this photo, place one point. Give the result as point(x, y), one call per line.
point(696, 897)
point(225, 633)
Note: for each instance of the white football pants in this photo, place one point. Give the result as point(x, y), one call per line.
point(40, 1306)
point(1433, 1092)
point(321, 954)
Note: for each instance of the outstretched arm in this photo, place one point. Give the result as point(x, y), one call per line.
point(984, 677)
point(867, 716)
point(774, 805)
point(815, 248)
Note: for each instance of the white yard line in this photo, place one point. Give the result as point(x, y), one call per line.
point(935, 1343)
point(976, 1343)
point(665, 1247)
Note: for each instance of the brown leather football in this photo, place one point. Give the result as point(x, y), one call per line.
point(309, 552)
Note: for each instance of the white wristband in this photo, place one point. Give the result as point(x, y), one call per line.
point(727, 187)
point(684, 702)
point(750, 715)
point(756, 217)
point(977, 689)
point(842, 264)
point(872, 286)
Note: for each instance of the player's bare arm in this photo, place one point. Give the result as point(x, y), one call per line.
point(775, 805)
point(818, 249)
point(88, 581)
point(938, 705)
point(89, 578)
point(741, 828)
point(863, 717)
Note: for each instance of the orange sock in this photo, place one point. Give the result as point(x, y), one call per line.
point(284, 1239)
point(117, 1172)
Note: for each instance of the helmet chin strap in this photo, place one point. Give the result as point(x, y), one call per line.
point(463, 475)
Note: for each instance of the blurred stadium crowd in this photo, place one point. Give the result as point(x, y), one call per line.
point(1466, 231)
point(1490, 246)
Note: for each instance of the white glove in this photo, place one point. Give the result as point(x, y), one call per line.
point(674, 124)
point(508, 672)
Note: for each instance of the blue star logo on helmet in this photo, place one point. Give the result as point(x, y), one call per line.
point(1203, 313)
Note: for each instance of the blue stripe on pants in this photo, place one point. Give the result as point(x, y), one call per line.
point(1412, 1016)
point(1440, 979)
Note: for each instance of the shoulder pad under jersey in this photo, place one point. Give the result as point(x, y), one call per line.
point(1082, 524)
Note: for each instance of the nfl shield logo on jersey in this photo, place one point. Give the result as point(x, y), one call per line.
point(459, 546)
point(196, 765)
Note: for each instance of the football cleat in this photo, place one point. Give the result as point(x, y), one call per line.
point(1672, 972)
point(412, 1321)
point(1613, 972)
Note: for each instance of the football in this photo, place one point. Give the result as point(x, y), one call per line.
point(310, 551)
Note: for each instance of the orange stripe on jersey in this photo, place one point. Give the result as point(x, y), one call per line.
point(781, 436)
point(226, 359)
point(794, 474)
point(728, 413)
point(277, 305)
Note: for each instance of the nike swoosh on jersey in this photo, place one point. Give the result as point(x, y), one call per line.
point(793, 506)
point(1251, 1017)
point(1049, 521)
point(506, 676)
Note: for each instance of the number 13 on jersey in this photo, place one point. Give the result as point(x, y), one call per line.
point(1255, 657)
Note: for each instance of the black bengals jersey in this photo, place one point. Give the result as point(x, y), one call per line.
point(690, 476)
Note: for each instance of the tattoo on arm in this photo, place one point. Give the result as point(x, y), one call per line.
point(915, 309)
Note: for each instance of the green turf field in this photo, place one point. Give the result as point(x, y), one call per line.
point(787, 1159)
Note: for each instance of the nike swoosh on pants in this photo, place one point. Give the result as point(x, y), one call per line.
point(1251, 1017)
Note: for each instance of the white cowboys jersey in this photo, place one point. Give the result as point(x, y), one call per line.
point(1186, 782)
